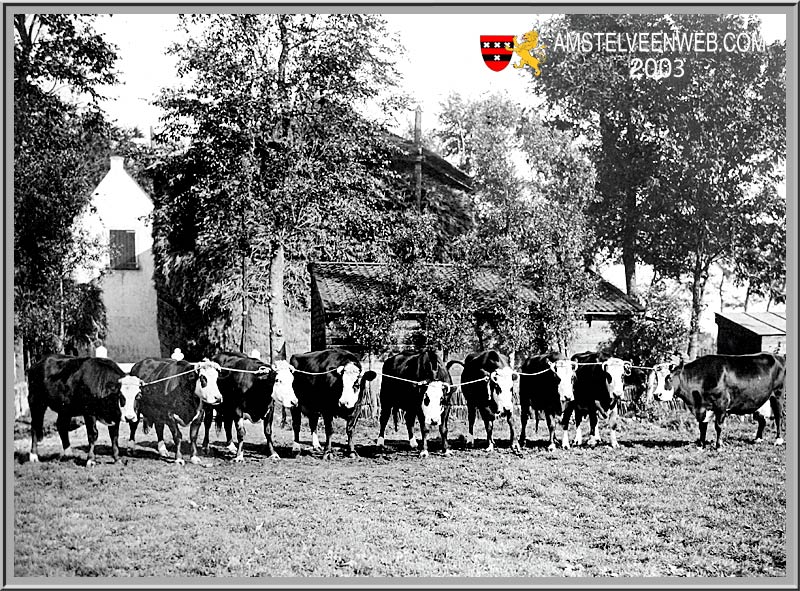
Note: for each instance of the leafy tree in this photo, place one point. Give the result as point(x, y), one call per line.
point(529, 206)
point(280, 167)
point(60, 153)
point(725, 136)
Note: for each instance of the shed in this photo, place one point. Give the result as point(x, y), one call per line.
point(739, 333)
point(335, 283)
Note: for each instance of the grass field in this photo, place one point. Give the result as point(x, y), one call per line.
point(657, 506)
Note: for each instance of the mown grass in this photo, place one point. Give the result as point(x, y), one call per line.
point(654, 507)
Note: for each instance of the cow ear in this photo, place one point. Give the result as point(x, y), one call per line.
point(514, 376)
point(112, 387)
point(340, 369)
point(370, 375)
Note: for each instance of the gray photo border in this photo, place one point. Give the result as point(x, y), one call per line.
point(789, 9)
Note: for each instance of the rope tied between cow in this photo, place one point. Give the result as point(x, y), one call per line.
point(261, 370)
point(196, 365)
point(183, 373)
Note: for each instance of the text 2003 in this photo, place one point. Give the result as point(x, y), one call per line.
point(656, 68)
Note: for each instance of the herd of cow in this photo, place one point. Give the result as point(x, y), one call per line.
point(232, 387)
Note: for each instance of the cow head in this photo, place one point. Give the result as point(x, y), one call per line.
point(282, 390)
point(206, 388)
point(435, 392)
point(616, 369)
point(565, 374)
point(130, 391)
point(501, 384)
point(660, 382)
point(351, 384)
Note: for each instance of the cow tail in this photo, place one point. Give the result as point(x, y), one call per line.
point(536, 421)
point(217, 420)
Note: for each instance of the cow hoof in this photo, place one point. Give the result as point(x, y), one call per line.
point(469, 441)
point(274, 456)
point(33, 458)
point(379, 442)
point(779, 441)
point(352, 455)
point(448, 453)
point(490, 448)
point(90, 463)
point(423, 453)
point(591, 442)
point(231, 448)
point(65, 456)
point(180, 461)
point(758, 440)
point(551, 447)
point(162, 450)
point(195, 460)
point(327, 456)
point(238, 458)
point(296, 449)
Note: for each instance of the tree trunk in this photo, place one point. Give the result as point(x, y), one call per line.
point(699, 279)
point(61, 326)
point(243, 340)
point(747, 296)
point(277, 307)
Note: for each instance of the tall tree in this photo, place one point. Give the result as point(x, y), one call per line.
point(724, 138)
point(529, 217)
point(60, 153)
point(280, 165)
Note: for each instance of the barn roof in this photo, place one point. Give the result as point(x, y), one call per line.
point(759, 323)
point(339, 283)
point(432, 164)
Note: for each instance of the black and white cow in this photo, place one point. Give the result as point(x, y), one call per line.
point(419, 384)
point(545, 386)
point(328, 383)
point(249, 393)
point(92, 387)
point(719, 385)
point(491, 396)
point(598, 388)
point(173, 394)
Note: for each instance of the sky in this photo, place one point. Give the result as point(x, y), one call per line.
point(429, 72)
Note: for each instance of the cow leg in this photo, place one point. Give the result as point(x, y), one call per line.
point(471, 412)
point(551, 428)
point(578, 419)
point(208, 418)
point(228, 424)
point(718, 422)
point(268, 418)
point(351, 430)
point(612, 425)
point(113, 434)
point(162, 446)
point(592, 441)
point(777, 415)
point(386, 412)
point(296, 416)
point(423, 429)
point(240, 433)
point(702, 420)
point(488, 424)
point(327, 453)
point(194, 431)
point(132, 427)
point(762, 422)
point(37, 410)
point(410, 418)
point(91, 433)
point(443, 430)
point(512, 434)
point(565, 425)
point(524, 411)
point(176, 439)
point(62, 424)
point(313, 421)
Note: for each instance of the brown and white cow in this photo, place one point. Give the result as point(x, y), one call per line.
point(598, 388)
point(92, 387)
point(173, 394)
point(719, 385)
point(545, 386)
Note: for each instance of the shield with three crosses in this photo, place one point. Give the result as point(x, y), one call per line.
point(497, 50)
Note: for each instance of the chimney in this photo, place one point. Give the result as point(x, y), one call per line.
point(117, 163)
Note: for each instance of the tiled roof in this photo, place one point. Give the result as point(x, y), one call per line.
point(432, 164)
point(760, 323)
point(340, 282)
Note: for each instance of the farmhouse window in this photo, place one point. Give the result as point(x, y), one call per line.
point(123, 249)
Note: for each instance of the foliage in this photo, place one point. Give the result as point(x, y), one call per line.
point(278, 158)
point(60, 153)
point(532, 185)
point(652, 337)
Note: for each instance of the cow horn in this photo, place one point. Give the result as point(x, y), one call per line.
point(552, 365)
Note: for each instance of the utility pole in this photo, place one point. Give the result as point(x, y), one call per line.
point(418, 159)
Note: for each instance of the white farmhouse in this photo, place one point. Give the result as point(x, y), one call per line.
point(119, 216)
